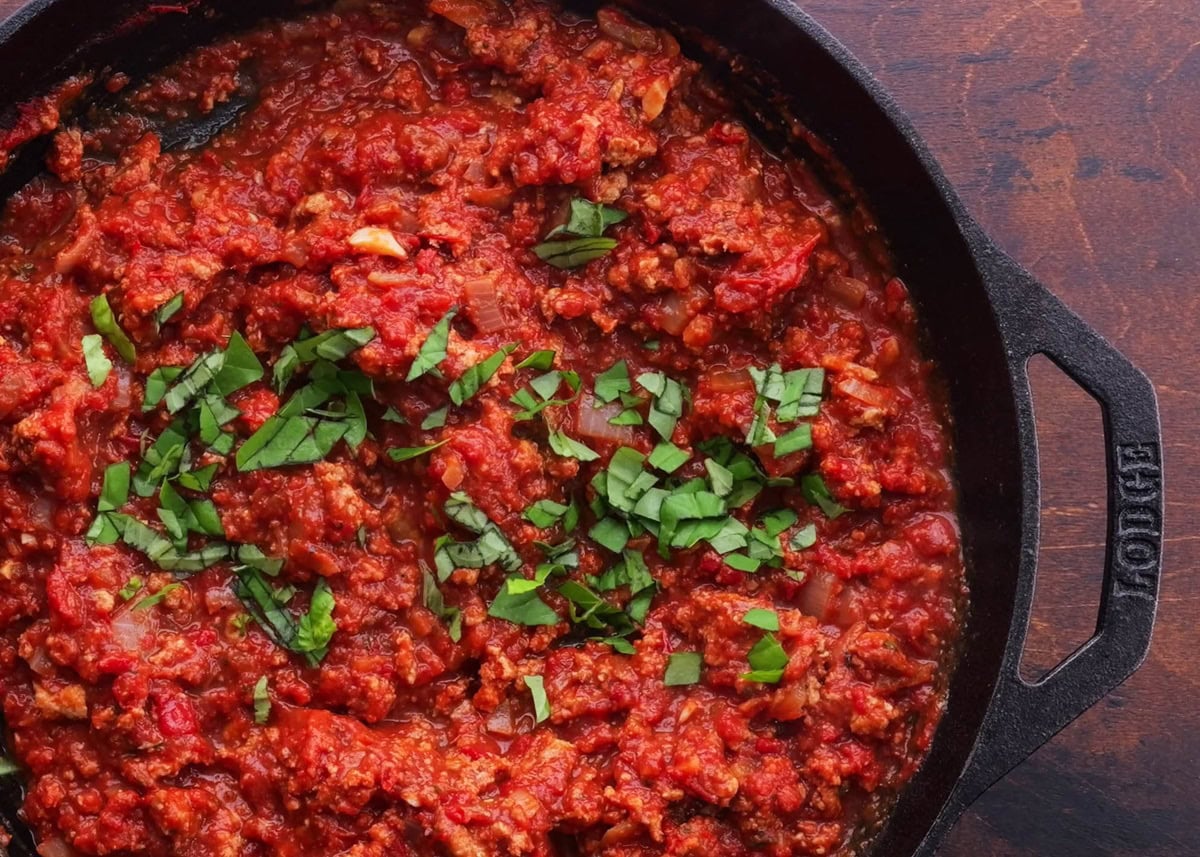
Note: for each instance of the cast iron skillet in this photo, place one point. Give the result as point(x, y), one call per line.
point(984, 318)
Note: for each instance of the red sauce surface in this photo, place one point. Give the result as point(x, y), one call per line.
point(463, 129)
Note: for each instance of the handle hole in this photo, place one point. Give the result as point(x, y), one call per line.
point(1066, 601)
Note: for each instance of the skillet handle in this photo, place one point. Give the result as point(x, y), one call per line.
point(1025, 715)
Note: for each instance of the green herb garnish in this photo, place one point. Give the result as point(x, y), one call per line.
point(816, 492)
point(106, 324)
point(433, 349)
point(568, 447)
point(767, 661)
point(758, 617)
point(407, 452)
point(157, 598)
point(683, 668)
point(262, 701)
point(468, 384)
point(98, 365)
point(541, 705)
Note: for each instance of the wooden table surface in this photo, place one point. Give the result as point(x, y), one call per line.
point(1072, 130)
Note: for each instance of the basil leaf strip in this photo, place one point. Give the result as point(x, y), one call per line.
point(433, 349)
point(96, 362)
point(106, 324)
point(541, 705)
point(262, 701)
point(683, 668)
point(468, 384)
point(574, 253)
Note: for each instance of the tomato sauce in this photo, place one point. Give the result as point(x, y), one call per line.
point(456, 134)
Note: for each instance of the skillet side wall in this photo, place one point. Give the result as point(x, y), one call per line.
point(915, 210)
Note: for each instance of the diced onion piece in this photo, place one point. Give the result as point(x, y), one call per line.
point(501, 722)
point(730, 381)
point(55, 848)
point(593, 422)
point(654, 99)
point(846, 290)
point(377, 241)
point(130, 627)
point(484, 302)
point(868, 394)
point(815, 594)
point(675, 315)
point(453, 475)
point(39, 661)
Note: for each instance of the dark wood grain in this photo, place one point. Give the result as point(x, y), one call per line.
point(1071, 130)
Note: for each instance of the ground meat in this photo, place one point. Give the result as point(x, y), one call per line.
point(399, 162)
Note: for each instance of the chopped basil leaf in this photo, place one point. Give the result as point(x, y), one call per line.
point(545, 386)
point(433, 349)
point(391, 415)
point(667, 457)
point(611, 383)
point(805, 537)
point(461, 509)
point(767, 661)
point(667, 405)
point(97, 364)
point(545, 513)
point(491, 547)
point(759, 432)
point(317, 626)
point(162, 551)
point(436, 604)
point(589, 219)
point(525, 608)
point(8, 767)
point(719, 477)
point(240, 367)
point(651, 345)
point(588, 608)
point(131, 588)
point(263, 604)
point(435, 419)
point(542, 360)
point(157, 383)
point(568, 447)
point(624, 647)
point(115, 491)
point(777, 520)
point(573, 253)
point(683, 668)
point(406, 452)
point(796, 440)
point(627, 417)
point(801, 394)
point(194, 380)
point(291, 440)
point(333, 345)
point(152, 600)
point(741, 562)
point(167, 311)
point(106, 324)
point(610, 533)
point(262, 701)
point(468, 384)
point(541, 705)
point(767, 620)
point(816, 492)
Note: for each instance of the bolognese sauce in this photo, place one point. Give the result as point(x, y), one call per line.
point(482, 445)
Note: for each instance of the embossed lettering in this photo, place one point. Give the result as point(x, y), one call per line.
point(1138, 526)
